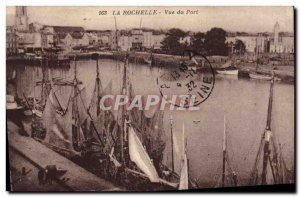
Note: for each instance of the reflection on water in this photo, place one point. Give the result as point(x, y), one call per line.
point(244, 102)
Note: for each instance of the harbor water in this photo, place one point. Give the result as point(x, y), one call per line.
point(243, 102)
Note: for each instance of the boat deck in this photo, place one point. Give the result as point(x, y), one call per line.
point(39, 156)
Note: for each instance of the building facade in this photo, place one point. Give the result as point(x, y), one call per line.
point(11, 41)
point(30, 42)
point(147, 39)
point(276, 42)
point(75, 39)
point(137, 38)
point(157, 38)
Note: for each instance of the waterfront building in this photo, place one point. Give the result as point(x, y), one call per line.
point(75, 39)
point(11, 41)
point(113, 40)
point(47, 40)
point(281, 42)
point(125, 41)
point(35, 27)
point(104, 38)
point(137, 38)
point(30, 42)
point(101, 37)
point(93, 38)
point(157, 38)
point(254, 42)
point(59, 36)
point(147, 39)
point(276, 42)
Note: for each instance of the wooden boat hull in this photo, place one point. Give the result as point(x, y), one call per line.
point(147, 61)
point(260, 76)
point(228, 72)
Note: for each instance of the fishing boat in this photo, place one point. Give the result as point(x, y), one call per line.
point(273, 168)
point(64, 118)
point(228, 69)
point(139, 148)
point(37, 102)
point(126, 148)
point(229, 176)
point(141, 135)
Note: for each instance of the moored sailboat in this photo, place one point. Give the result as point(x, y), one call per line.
point(273, 169)
point(229, 176)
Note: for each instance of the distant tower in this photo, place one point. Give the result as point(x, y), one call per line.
point(21, 18)
point(276, 34)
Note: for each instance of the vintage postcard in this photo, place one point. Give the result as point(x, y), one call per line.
point(108, 99)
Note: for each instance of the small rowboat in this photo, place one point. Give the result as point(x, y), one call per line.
point(260, 76)
point(228, 72)
point(148, 61)
point(196, 121)
point(228, 69)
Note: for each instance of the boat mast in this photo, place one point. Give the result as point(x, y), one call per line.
point(256, 54)
point(75, 125)
point(267, 136)
point(124, 114)
point(224, 153)
point(98, 82)
point(34, 84)
point(98, 98)
point(172, 142)
point(116, 27)
point(43, 82)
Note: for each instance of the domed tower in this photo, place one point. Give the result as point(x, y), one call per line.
point(21, 18)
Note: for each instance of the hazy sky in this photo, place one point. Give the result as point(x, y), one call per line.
point(249, 19)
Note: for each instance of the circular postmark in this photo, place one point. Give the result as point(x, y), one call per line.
point(194, 77)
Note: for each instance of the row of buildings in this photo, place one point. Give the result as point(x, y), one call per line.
point(275, 42)
point(24, 37)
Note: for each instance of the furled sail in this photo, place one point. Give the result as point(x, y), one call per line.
point(153, 135)
point(58, 127)
point(81, 105)
point(79, 117)
point(184, 180)
point(140, 157)
point(102, 120)
point(151, 131)
point(94, 109)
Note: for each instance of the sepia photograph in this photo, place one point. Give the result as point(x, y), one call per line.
point(150, 99)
